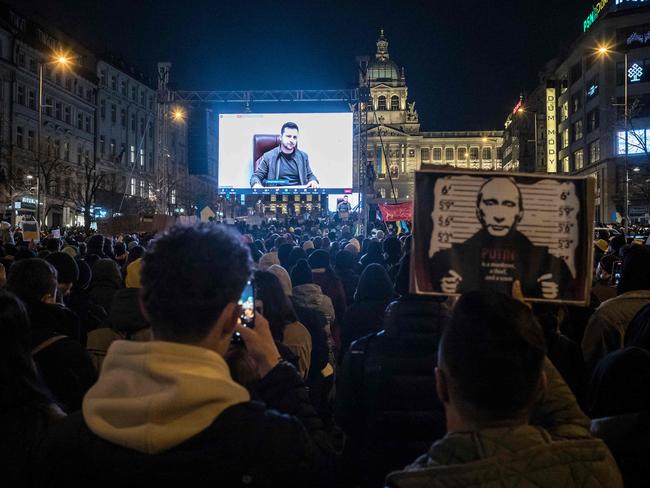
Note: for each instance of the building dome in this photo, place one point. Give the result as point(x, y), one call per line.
point(382, 68)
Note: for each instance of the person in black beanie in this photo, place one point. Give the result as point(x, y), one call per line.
point(91, 315)
point(67, 272)
point(283, 254)
point(95, 245)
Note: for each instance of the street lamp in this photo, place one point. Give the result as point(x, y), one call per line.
point(178, 114)
point(62, 60)
point(603, 51)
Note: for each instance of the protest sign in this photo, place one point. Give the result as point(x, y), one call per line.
point(31, 231)
point(477, 231)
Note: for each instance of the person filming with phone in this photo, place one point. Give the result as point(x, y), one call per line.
point(168, 410)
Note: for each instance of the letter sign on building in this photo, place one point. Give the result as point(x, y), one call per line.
point(551, 130)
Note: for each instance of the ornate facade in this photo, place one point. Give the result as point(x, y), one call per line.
point(397, 146)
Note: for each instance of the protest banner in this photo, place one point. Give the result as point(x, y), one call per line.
point(478, 231)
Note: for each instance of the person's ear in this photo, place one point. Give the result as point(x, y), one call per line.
point(228, 319)
point(442, 388)
point(519, 216)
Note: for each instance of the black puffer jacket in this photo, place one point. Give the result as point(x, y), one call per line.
point(249, 444)
point(65, 365)
point(386, 395)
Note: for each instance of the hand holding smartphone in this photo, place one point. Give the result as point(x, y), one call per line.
point(247, 303)
point(616, 272)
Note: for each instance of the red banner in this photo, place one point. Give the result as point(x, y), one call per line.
point(392, 212)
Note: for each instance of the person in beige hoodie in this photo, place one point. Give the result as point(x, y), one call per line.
point(168, 411)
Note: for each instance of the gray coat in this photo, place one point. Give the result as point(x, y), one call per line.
point(268, 167)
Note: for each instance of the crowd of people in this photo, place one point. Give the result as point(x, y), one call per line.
point(125, 362)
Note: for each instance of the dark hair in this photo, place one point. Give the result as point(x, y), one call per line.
point(20, 384)
point(66, 267)
point(374, 284)
point(301, 273)
point(620, 383)
point(119, 248)
point(135, 253)
point(320, 258)
point(393, 247)
point(635, 274)
point(189, 276)
point(344, 260)
point(31, 279)
point(288, 125)
point(492, 353)
point(277, 306)
point(53, 244)
point(296, 253)
point(283, 254)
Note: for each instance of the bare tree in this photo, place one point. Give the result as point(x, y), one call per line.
point(89, 180)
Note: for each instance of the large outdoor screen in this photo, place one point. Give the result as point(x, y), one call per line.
point(312, 154)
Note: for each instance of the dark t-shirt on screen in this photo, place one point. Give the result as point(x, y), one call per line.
point(289, 169)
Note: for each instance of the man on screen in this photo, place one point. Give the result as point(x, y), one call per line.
point(344, 205)
point(285, 165)
point(499, 254)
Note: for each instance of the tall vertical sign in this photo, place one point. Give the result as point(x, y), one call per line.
point(551, 129)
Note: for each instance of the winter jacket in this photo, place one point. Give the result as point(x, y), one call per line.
point(386, 399)
point(349, 280)
point(361, 319)
point(91, 316)
point(638, 332)
point(297, 338)
point(315, 322)
point(106, 280)
point(23, 427)
point(606, 329)
point(64, 364)
point(311, 296)
point(170, 414)
point(331, 286)
point(628, 438)
point(555, 449)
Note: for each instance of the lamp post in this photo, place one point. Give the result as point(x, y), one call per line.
point(603, 50)
point(60, 59)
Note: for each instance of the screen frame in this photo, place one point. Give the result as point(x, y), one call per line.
point(229, 191)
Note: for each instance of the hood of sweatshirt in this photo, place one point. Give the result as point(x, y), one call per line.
point(152, 396)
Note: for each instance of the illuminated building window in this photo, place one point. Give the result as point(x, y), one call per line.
point(564, 111)
point(449, 154)
point(394, 102)
point(577, 130)
point(381, 103)
point(473, 153)
point(425, 154)
point(578, 159)
point(565, 164)
point(594, 151)
point(132, 187)
point(637, 142)
point(564, 141)
point(487, 154)
point(576, 102)
point(593, 120)
point(462, 154)
point(437, 153)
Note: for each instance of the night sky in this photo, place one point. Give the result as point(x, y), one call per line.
point(466, 61)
